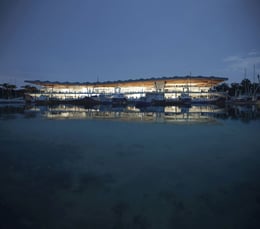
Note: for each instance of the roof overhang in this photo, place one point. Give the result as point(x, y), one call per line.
point(197, 80)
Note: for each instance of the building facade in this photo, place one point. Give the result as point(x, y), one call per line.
point(169, 87)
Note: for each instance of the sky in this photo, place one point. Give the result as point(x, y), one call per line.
point(106, 40)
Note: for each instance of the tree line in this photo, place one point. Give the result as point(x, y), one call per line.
point(245, 87)
point(9, 91)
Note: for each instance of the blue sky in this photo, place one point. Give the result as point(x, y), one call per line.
point(82, 40)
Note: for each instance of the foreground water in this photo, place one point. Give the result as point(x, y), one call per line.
point(70, 167)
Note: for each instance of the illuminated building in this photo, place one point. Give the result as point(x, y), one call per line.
point(169, 87)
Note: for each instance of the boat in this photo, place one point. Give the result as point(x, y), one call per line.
point(142, 102)
point(118, 100)
point(86, 101)
point(204, 100)
point(184, 98)
point(151, 99)
point(102, 99)
point(241, 100)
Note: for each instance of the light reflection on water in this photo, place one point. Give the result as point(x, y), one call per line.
point(85, 173)
point(170, 114)
point(147, 114)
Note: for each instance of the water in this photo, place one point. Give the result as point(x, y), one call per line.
point(71, 167)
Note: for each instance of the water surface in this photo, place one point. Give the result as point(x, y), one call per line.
point(117, 168)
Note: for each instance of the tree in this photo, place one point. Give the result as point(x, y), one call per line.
point(234, 89)
point(30, 89)
point(8, 86)
point(256, 88)
point(222, 87)
point(2, 90)
point(8, 89)
point(246, 86)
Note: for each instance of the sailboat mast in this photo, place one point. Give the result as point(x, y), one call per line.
point(254, 74)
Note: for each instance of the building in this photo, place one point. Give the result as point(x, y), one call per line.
point(169, 87)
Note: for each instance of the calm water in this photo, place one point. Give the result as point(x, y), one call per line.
point(71, 167)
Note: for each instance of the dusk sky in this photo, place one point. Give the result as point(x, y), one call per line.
point(86, 40)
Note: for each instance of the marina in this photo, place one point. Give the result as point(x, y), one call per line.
point(162, 91)
point(129, 114)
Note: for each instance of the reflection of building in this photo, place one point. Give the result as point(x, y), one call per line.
point(171, 87)
point(173, 114)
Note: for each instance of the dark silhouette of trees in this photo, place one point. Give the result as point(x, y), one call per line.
point(245, 87)
point(30, 89)
point(222, 87)
point(7, 90)
point(234, 89)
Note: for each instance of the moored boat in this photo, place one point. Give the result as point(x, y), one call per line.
point(119, 100)
point(184, 98)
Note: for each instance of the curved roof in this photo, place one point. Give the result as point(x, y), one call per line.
point(199, 80)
